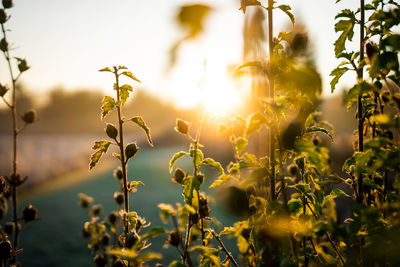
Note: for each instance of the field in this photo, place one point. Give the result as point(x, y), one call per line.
point(55, 240)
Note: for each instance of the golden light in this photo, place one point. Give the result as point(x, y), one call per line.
point(210, 87)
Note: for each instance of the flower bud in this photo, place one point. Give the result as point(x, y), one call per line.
point(22, 65)
point(131, 239)
point(178, 176)
point(97, 209)
point(119, 198)
point(30, 213)
point(182, 126)
point(204, 211)
point(200, 178)
point(7, 3)
point(29, 116)
point(3, 90)
point(293, 170)
point(99, 260)
point(105, 239)
point(5, 249)
point(174, 238)
point(118, 173)
point(111, 131)
point(3, 16)
point(131, 150)
point(113, 217)
point(3, 44)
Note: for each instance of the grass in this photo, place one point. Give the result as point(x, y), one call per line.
point(56, 239)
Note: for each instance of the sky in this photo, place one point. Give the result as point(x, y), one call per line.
point(66, 42)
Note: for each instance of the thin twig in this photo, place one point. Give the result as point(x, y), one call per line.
point(224, 248)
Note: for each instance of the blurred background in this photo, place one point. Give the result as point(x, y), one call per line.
point(186, 61)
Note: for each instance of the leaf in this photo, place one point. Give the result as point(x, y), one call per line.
point(197, 156)
point(245, 3)
point(177, 264)
point(336, 192)
point(346, 27)
point(352, 95)
point(139, 121)
point(106, 69)
point(286, 8)
point(337, 73)
point(314, 129)
point(101, 147)
point(216, 165)
point(227, 231)
point(175, 157)
point(133, 184)
point(305, 190)
point(190, 184)
point(222, 179)
point(392, 41)
point(254, 123)
point(130, 75)
point(240, 145)
point(124, 93)
point(107, 106)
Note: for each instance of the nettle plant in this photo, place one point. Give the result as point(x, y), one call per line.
point(117, 239)
point(9, 184)
point(374, 167)
point(193, 227)
point(285, 198)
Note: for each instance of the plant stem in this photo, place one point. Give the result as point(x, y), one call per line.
point(360, 198)
point(271, 93)
point(13, 108)
point(123, 162)
point(224, 248)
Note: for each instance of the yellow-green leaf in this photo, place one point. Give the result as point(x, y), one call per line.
point(139, 121)
point(175, 157)
point(130, 75)
point(108, 105)
point(101, 147)
point(106, 69)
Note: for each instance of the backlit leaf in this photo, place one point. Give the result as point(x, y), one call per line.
point(139, 121)
point(175, 157)
point(101, 147)
point(214, 164)
point(124, 92)
point(286, 8)
point(107, 106)
point(130, 75)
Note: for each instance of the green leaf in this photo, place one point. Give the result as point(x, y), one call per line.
point(107, 106)
point(254, 122)
point(124, 93)
point(175, 157)
point(190, 184)
point(106, 69)
point(305, 190)
point(101, 147)
point(133, 184)
point(346, 13)
point(286, 8)
point(197, 156)
point(315, 129)
point(336, 192)
point(352, 95)
point(346, 27)
point(222, 179)
point(337, 73)
point(240, 145)
point(165, 211)
point(216, 165)
point(139, 121)
point(130, 75)
point(392, 41)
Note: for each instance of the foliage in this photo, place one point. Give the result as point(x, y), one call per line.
point(116, 239)
point(10, 183)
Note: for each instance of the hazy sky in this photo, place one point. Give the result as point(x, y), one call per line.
point(66, 42)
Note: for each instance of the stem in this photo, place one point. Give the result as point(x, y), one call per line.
point(224, 248)
point(123, 162)
point(271, 144)
point(180, 237)
point(15, 136)
point(360, 105)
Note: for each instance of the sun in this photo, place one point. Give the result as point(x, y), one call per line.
point(208, 87)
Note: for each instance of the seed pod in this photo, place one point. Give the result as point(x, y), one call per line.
point(97, 209)
point(300, 163)
point(7, 3)
point(200, 178)
point(204, 211)
point(174, 238)
point(131, 150)
point(182, 126)
point(119, 198)
point(9, 228)
point(293, 170)
point(3, 16)
point(85, 233)
point(3, 207)
point(30, 213)
point(118, 173)
point(178, 176)
point(118, 263)
point(29, 116)
point(131, 239)
point(99, 260)
point(3, 90)
point(22, 65)
point(316, 141)
point(3, 44)
point(5, 249)
point(113, 217)
point(105, 239)
point(371, 51)
point(111, 131)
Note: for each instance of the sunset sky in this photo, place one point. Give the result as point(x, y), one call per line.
point(66, 42)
